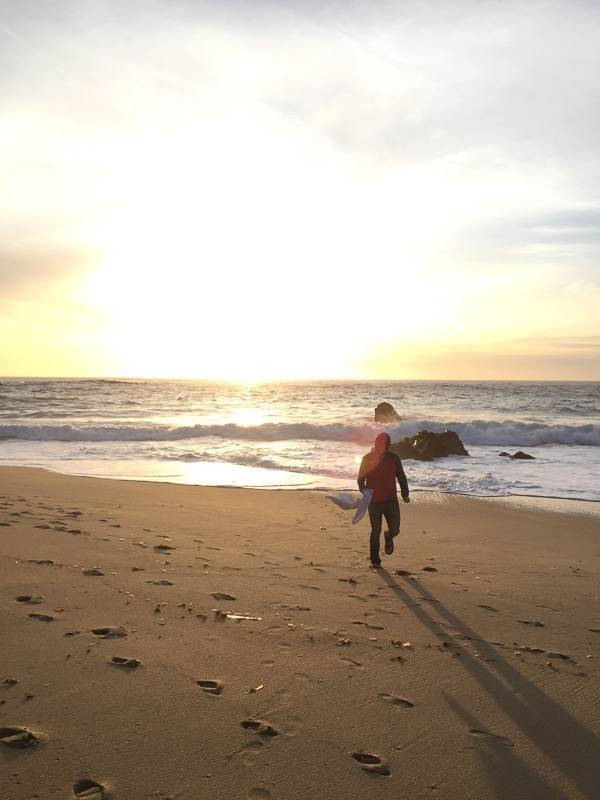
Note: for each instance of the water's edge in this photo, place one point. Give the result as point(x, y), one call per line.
point(559, 505)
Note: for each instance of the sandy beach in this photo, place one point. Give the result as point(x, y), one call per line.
point(167, 641)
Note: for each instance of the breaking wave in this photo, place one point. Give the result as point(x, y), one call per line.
point(475, 432)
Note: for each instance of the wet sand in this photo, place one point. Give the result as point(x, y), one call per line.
point(167, 641)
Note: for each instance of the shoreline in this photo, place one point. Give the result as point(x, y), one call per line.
point(563, 505)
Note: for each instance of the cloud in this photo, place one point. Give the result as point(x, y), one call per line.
point(39, 273)
point(447, 150)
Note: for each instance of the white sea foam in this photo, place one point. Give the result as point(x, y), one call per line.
point(510, 433)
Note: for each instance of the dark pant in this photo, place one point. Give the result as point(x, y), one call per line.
point(389, 509)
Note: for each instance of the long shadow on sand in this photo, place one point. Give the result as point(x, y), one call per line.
point(569, 744)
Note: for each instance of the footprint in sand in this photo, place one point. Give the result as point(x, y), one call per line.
point(259, 794)
point(42, 527)
point(492, 737)
point(488, 608)
point(367, 625)
point(371, 763)
point(110, 632)
point(89, 789)
point(259, 726)
point(211, 687)
point(92, 572)
point(396, 701)
point(223, 596)
point(41, 617)
point(429, 569)
point(161, 583)
point(352, 662)
point(128, 663)
point(534, 623)
point(163, 548)
point(20, 738)
point(29, 598)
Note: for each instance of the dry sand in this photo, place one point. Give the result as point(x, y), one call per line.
point(476, 677)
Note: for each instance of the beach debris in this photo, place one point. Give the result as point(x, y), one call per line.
point(211, 687)
point(93, 571)
point(162, 582)
point(534, 623)
point(89, 789)
point(20, 738)
point(371, 762)
point(429, 569)
point(8, 681)
point(260, 727)
point(255, 688)
point(223, 596)
point(343, 642)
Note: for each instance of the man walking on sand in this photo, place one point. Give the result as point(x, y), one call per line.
point(378, 472)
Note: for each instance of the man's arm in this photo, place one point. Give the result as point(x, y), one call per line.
point(402, 479)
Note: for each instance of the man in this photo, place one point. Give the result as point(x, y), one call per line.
point(378, 472)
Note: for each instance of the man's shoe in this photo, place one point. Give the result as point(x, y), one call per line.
point(389, 545)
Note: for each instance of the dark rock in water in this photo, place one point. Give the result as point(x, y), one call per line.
point(385, 412)
point(521, 455)
point(504, 454)
point(426, 446)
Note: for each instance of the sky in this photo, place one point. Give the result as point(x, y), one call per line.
point(277, 190)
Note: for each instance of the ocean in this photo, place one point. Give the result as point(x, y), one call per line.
point(305, 434)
